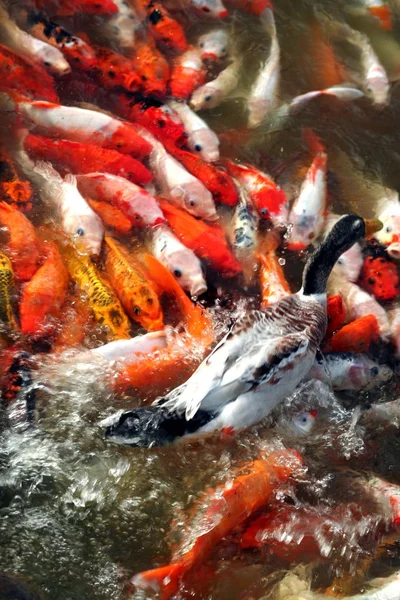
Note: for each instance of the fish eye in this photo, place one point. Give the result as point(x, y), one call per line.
point(304, 419)
point(47, 63)
point(177, 273)
point(202, 45)
point(198, 147)
point(374, 371)
point(138, 217)
point(80, 231)
point(137, 310)
point(264, 212)
point(192, 203)
point(223, 49)
point(205, 9)
point(111, 74)
point(388, 229)
point(340, 261)
point(208, 98)
point(143, 78)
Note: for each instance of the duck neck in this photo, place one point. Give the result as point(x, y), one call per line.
point(319, 267)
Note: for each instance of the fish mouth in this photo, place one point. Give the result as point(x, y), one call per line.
point(372, 226)
point(199, 289)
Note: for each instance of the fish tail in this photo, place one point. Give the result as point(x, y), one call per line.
point(46, 170)
point(164, 580)
point(313, 142)
point(270, 243)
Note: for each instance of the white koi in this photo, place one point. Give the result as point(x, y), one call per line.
point(201, 139)
point(214, 45)
point(216, 91)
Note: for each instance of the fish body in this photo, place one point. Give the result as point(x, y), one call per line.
point(268, 198)
point(263, 97)
point(376, 79)
point(43, 296)
point(273, 283)
point(210, 8)
point(25, 76)
point(214, 45)
point(179, 260)
point(356, 336)
point(218, 513)
point(205, 241)
point(84, 126)
point(101, 299)
point(167, 32)
point(388, 212)
point(127, 350)
point(121, 26)
point(159, 119)
point(336, 312)
point(188, 73)
point(111, 216)
point(201, 139)
point(342, 93)
point(13, 188)
point(86, 158)
point(383, 589)
point(68, 8)
point(114, 70)
point(244, 225)
point(216, 91)
point(137, 204)
point(380, 277)
point(347, 371)
point(379, 10)
point(153, 69)
point(22, 247)
point(6, 283)
point(76, 217)
point(135, 292)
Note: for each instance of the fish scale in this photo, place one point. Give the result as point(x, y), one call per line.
point(6, 281)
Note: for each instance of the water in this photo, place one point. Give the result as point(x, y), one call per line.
point(78, 516)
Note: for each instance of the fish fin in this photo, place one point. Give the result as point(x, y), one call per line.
point(71, 179)
point(164, 579)
point(313, 142)
point(46, 170)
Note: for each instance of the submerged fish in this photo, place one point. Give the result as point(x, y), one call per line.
point(357, 336)
point(243, 235)
point(13, 188)
point(380, 277)
point(274, 285)
point(67, 8)
point(347, 371)
point(111, 216)
point(153, 69)
point(388, 212)
point(188, 73)
point(336, 312)
point(216, 91)
point(6, 283)
point(211, 8)
point(201, 138)
point(22, 246)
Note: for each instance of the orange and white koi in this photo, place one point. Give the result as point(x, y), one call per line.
point(77, 219)
point(179, 260)
point(349, 371)
point(263, 97)
point(22, 246)
point(216, 91)
point(84, 126)
point(137, 204)
point(214, 45)
point(188, 73)
point(43, 296)
point(22, 43)
point(111, 216)
point(268, 198)
point(219, 512)
point(201, 139)
point(129, 350)
point(274, 285)
point(378, 9)
point(307, 215)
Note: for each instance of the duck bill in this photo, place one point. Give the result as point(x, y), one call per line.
point(372, 226)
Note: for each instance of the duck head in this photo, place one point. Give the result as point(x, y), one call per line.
point(346, 232)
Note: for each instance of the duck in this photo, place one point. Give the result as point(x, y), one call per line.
point(259, 362)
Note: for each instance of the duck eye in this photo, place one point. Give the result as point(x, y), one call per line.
point(137, 310)
point(80, 231)
point(304, 419)
point(178, 273)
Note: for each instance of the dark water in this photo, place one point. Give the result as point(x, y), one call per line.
point(78, 516)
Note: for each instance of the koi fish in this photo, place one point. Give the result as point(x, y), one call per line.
point(336, 313)
point(86, 158)
point(21, 74)
point(307, 215)
point(214, 179)
point(152, 68)
point(135, 292)
point(388, 209)
point(101, 299)
point(274, 285)
point(167, 32)
point(263, 97)
point(243, 238)
point(76, 51)
point(179, 260)
point(216, 91)
point(22, 43)
point(13, 189)
point(138, 205)
point(214, 45)
point(111, 216)
point(68, 8)
point(85, 126)
point(380, 277)
point(204, 240)
point(22, 247)
point(114, 70)
point(268, 198)
point(327, 69)
point(342, 93)
point(218, 513)
point(128, 350)
point(6, 284)
point(254, 7)
point(347, 371)
point(43, 296)
point(74, 326)
point(376, 79)
point(201, 138)
point(357, 336)
point(188, 73)
point(350, 263)
point(210, 8)
point(77, 219)
point(378, 9)
point(120, 28)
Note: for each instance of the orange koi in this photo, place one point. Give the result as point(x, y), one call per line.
point(380, 277)
point(219, 512)
point(167, 32)
point(216, 180)
point(114, 70)
point(111, 216)
point(152, 69)
point(273, 282)
point(44, 295)
point(86, 158)
point(134, 290)
point(22, 246)
point(13, 189)
point(24, 76)
point(70, 8)
point(336, 312)
point(76, 319)
point(207, 242)
point(188, 73)
point(357, 336)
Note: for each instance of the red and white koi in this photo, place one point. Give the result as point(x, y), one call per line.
point(77, 219)
point(24, 44)
point(342, 93)
point(201, 139)
point(137, 204)
point(188, 73)
point(388, 211)
point(210, 8)
point(216, 91)
point(348, 371)
point(350, 263)
point(214, 45)
point(179, 260)
point(263, 96)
